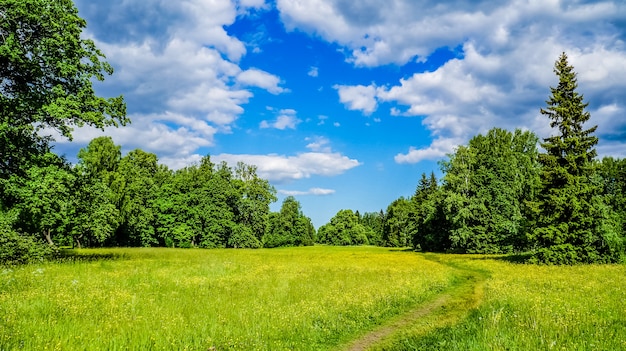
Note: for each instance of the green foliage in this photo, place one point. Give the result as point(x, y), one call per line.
point(243, 237)
point(431, 232)
point(135, 189)
point(487, 184)
point(94, 216)
point(612, 173)
point(343, 229)
point(289, 227)
point(397, 228)
point(100, 160)
point(254, 197)
point(194, 206)
point(571, 220)
point(45, 199)
point(374, 225)
point(20, 248)
point(46, 73)
point(46, 76)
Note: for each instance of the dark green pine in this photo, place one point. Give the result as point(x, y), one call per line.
point(570, 224)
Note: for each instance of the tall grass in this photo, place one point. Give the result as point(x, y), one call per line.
point(311, 298)
point(529, 307)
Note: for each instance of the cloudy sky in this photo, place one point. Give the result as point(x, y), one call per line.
point(345, 103)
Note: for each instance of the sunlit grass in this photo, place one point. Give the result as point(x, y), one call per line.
point(528, 307)
point(296, 298)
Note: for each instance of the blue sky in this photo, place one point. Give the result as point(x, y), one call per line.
point(344, 103)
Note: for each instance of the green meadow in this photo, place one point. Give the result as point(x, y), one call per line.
point(308, 298)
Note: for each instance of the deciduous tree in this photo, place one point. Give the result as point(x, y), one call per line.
point(487, 184)
point(46, 75)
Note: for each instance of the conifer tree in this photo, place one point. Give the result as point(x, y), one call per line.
point(570, 225)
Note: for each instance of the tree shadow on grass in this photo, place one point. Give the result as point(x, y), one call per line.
point(519, 258)
point(68, 255)
point(402, 249)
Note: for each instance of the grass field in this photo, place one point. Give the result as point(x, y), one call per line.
point(312, 298)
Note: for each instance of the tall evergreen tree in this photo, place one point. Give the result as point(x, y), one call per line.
point(571, 221)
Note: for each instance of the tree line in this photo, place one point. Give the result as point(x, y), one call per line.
point(501, 194)
point(110, 200)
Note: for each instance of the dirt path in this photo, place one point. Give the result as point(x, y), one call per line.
point(451, 305)
point(375, 336)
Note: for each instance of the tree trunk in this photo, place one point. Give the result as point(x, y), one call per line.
point(46, 234)
point(78, 241)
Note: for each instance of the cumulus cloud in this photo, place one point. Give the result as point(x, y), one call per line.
point(312, 191)
point(261, 79)
point(358, 97)
point(178, 70)
point(252, 3)
point(503, 70)
point(321, 160)
point(281, 168)
point(437, 150)
point(405, 30)
point(286, 119)
point(173, 137)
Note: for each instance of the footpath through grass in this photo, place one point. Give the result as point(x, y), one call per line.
point(311, 298)
point(525, 307)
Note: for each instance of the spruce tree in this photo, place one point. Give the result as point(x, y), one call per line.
point(570, 225)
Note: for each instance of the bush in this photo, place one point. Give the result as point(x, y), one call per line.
point(243, 238)
point(16, 248)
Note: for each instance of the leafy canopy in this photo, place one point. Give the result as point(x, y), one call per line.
point(46, 74)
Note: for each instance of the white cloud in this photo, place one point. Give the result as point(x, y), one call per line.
point(252, 3)
point(318, 144)
point(312, 191)
point(313, 72)
point(501, 76)
point(173, 137)
point(436, 151)
point(178, 70)
point(286, 119)
point(402, 30)
point(358, 97)
point(280, 168)
point(261, 79)
point(466, 97)
point(321, 120)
